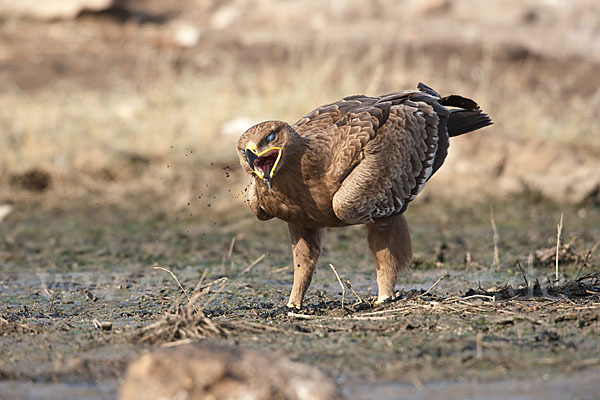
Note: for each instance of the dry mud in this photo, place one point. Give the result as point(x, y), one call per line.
point(66, 271)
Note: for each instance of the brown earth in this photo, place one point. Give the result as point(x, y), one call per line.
point(79, 285)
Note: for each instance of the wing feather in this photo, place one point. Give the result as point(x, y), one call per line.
point(397, 161)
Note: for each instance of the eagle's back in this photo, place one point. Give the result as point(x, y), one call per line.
point(378, 152)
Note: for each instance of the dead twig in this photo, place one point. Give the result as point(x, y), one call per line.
point(230, 252)
point(568, 299)
point(416, 381)
point(559, 228)
point(302, 316)
point(479, 296)
point(223, 281)
point(185, 324)
point(210, 284)
point(496, 239)
point(432, 286)
point(102, 325)
point(254, 264)
point(201, 281)
point(228, 255)
point(188, 322)
point(585, 260)
point(349, 286)
point(179, 284)
point(583, 264)
point(201, 290)
point(523, 273)
point(340, 282)
point(590, 361)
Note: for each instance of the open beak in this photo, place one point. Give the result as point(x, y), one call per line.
point(264, 163)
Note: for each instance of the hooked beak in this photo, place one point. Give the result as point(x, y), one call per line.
point(250, 156)
point(263, 164)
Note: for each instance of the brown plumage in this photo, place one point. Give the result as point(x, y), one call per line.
point(360, 160)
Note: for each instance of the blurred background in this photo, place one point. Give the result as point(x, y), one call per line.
point(130, 99)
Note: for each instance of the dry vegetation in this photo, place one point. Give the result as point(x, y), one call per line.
point(126, 114)
point(168, 117)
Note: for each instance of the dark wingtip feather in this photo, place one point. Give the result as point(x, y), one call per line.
point(426, 89)
point(459, 101)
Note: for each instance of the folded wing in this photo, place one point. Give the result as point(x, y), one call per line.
point(390, 146)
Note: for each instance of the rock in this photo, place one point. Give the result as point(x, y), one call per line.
point(186, 34)
point(209, 372)
point(51, 9)
point(5, 209)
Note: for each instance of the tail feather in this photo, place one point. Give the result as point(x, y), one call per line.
point(466, 117)
point(462, 121)
point(462, 115)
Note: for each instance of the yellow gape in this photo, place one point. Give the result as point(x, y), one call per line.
point(252, 147)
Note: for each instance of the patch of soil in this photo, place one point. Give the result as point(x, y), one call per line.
point(34, 180)
point(104, 269)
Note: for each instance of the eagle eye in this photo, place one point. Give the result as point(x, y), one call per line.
point(270, 137)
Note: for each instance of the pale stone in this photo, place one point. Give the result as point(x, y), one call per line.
point(51, 9)
point(209, 372)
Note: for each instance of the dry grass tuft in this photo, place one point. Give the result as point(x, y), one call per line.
point(186, 321)
point(8, 327)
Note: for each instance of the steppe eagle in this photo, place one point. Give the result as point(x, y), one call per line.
point(360, 160)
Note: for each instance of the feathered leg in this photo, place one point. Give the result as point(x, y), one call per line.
point(389, 241)
point(306, 249)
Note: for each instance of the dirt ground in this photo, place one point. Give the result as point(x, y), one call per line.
point(64, 267)
point(116, 161)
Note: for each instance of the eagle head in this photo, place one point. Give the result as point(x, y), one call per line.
point(261, 149)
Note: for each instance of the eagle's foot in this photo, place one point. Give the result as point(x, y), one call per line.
point(294, 307)
point(382, 299)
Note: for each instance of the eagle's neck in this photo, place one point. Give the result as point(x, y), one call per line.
point(297, 162)
point(298, 193)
